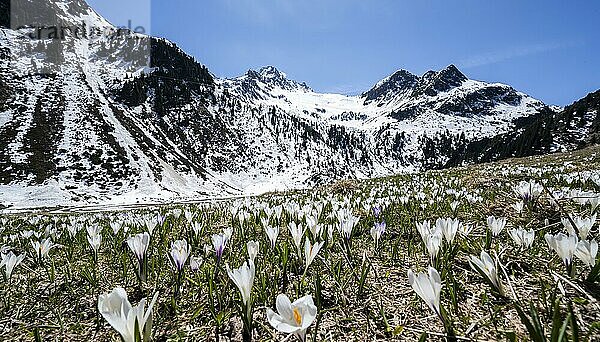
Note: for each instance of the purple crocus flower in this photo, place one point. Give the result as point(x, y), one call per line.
point(219, 241)
point(377, 211)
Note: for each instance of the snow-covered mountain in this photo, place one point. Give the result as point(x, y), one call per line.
point(98, 128)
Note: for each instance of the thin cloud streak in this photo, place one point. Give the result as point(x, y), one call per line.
point(515, 52)
point(346, 89)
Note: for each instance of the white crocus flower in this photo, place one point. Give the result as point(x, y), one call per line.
point(189, 216)
point(116, 226)
point(195, 263)
point(454, 205)
point(26, 234)
point(42, 248)
point(272, 233)
point(293, 318)
point(529, 191)
point(278, 211)
point(496, 225)
point(310, 252)
point(518, 206)
point(377, 231)
point(243, 278)
point(180, 251)
point(297, 233)
point(253, 248)
point(449, 228)
point(119, 313)
point(313, 225)
point(424, 229)
point(177, 213)
point(428, 287)
point(566, 222)
point(563, 245)
point(10, 261)
point(138, 244)
point(151, 223)
point(196, 227)
point(487, 267)
point(587, 251)
point(94, 237)
point(521, 237)
point(243, 217)
point(584, 225)
point(433, 243)
point(347, 222)
point(73, 229)
point(227, 234)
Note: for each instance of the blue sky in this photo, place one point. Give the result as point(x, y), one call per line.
point(548, 49)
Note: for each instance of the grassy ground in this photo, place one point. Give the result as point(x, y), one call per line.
point(361, 291)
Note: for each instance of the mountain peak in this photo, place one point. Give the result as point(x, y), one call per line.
point(398, 82)
point(271, 72)
point(452, 73)
point(266, 73)
point(272, 76)
point(401, 77)
point(435, 82)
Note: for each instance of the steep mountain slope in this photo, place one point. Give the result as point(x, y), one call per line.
point(67, 133)
point(85, 121)
point(575, 127)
